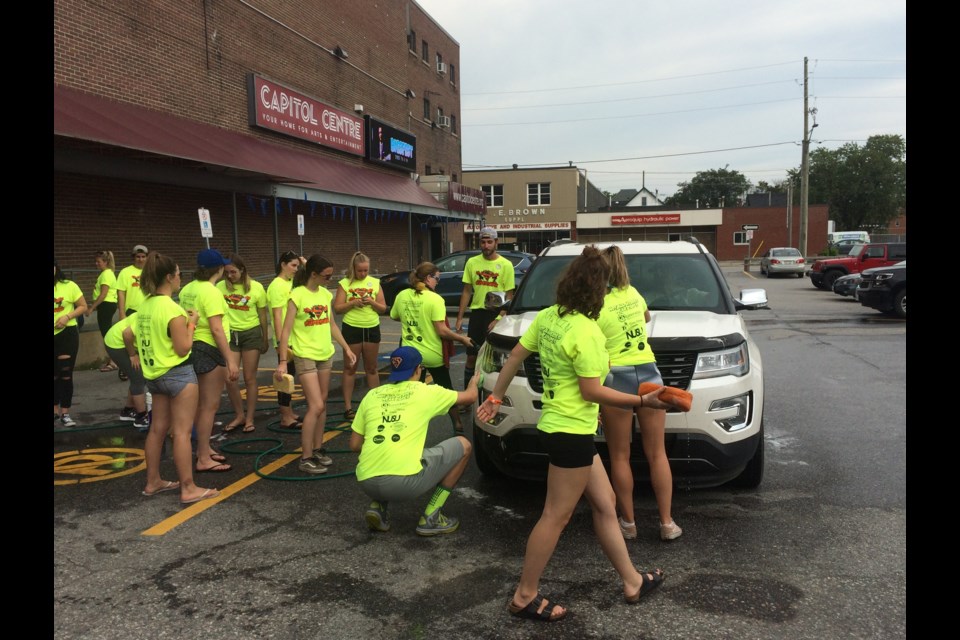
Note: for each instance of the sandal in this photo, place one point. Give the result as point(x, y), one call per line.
point(227, 428)
point(248, 428)
point(540, 609)
point(123, 376)
point(296, 424)
point(217, 468)
point(648, 585)
point(108, 367)
point(349, 414)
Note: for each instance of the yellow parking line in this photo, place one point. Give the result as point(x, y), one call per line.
point(197, 508)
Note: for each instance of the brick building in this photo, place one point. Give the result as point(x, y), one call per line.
point(258, 111)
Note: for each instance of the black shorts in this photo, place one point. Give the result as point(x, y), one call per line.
point(568, 450)
point(440, 375)
point(359, 335)
point(206, 358)
point(480, 319)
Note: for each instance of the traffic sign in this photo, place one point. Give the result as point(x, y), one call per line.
point(206, 229)
point(299, 224)
point(750, 227)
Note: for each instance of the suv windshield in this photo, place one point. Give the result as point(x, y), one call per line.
point(667, 282)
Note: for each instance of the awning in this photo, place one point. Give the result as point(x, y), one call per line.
point(297, 174)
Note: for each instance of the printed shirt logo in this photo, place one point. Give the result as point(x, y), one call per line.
point(486, 278)
point(361, 293)
point(319, 314)
point(58, 304)
point(136, 282)
point(238, 301)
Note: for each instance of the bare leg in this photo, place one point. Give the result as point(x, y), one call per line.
point(350, 377)
point(370, 352)
point(652, 422)
point(233, 391)
point(617, 424)
point(453, 476)
point(251, 360)
point(183, 410)
point(211, 387)
point(310, 383)
point(323, 379)
point(153, 447)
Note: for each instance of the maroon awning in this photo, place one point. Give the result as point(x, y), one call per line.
point(88, 117)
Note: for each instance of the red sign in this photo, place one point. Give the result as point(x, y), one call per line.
point(650, 218)
point(466, 199)
point(273, 106)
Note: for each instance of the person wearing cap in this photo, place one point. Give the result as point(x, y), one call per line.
point(483, 274)
point(129, 294)
point(211, 351)
point(390, 431)
point(309, 331)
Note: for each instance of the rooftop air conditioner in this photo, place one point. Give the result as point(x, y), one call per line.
point(441, 67)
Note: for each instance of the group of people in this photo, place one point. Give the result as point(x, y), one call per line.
point(592, 345)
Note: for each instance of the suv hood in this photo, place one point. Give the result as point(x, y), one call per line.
point(682, 324)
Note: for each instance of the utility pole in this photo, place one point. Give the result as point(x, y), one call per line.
point(805, 164)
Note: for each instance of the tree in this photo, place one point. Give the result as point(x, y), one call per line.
point(777, 187)
point(865, 187)
point(713, 188)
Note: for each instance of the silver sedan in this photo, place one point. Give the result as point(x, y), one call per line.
point(782, 260)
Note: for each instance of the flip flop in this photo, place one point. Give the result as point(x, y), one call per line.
point(227, 428)
point(293, 425)
point(218, 468)
point(108, 367)
point(206, 495)
point(248, 428)
point(170, 485)
point(219, 457)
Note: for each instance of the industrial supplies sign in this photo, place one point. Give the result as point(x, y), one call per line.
point(278, 108)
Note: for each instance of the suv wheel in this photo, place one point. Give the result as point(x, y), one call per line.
point(900, 303)
point(484, 463)
point(828, 279)
point(752, 474)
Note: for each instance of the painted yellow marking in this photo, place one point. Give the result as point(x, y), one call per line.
point(91, 465)
point(197, 508)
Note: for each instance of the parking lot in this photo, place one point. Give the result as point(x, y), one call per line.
point(819, 549)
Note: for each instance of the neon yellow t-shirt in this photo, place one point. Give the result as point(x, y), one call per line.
point(570, 347)
point(416, 314)
point(65, 294)
point(204, 296)
point(393, 420)
point(311, 337)
point(106, 277)
point(114, 336)
point(243, 309)
point(278, 292)
point(362, 317)
point(623, 322)
point(487, 275)
point(151, 327)
point(128, 280)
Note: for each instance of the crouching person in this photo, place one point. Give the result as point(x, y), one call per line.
point(389, 431)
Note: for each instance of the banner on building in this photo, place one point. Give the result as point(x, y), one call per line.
point(474, 227)
point(650, 218)
point(465, 199)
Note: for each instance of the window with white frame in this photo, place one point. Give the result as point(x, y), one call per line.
point(740, 237)
point(538, 194)
point(494, 194)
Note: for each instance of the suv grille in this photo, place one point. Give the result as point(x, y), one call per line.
point(675, 367)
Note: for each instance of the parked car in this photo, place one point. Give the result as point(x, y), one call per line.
point(701, 343)
point(885, 289)
point(451, 275)
point(825, 271)
point(844, 247)
point(785, 260)
point(847, 285)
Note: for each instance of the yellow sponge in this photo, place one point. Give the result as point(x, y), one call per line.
point(285, 384)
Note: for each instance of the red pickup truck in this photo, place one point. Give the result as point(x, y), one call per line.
point(864, 256)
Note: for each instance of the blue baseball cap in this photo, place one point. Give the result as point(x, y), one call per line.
point(403, 362)
point(211, 258)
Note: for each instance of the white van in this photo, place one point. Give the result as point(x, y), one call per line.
point(837, 236)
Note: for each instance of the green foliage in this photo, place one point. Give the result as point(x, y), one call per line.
point(830, 250)
point(865, 187)
point(711, 188)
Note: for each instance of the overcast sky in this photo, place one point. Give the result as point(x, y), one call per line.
point(625, 87)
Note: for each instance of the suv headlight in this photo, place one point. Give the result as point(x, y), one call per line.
point(880, 278)
point(729, 362)
point(497, 358)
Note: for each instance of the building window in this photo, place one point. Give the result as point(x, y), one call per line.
point(427, 170)
point(425, 53)
point(538, 194)
point(643, 201)
point(494, 194)
point(412, 41)
point(453, 124)
point(740, 237)
point(453, 177)
point(453, 74)
point(439, 114)
point(426, 109)
point(439, 61)
point(673, 237)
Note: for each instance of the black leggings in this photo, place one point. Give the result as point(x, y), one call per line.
point(284, 399)
point(66, 343)
point(105, 316)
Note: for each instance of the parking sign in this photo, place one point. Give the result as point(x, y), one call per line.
point(206, 229)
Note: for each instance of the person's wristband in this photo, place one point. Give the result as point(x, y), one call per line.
point(490, 398)
point(641, 401)
point(281, 361)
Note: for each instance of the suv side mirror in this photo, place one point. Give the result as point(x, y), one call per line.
point(751, 299)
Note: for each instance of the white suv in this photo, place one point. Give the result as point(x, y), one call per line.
point(701, 343)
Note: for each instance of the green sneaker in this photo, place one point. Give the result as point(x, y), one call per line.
point(437, 523)
point(376, 517)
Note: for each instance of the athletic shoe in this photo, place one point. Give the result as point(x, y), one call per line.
point(320, 455)
point(142, 422)
point(67, 421)
point(312, 465)
point(670, 531)
point(629, 531)
point(128, 414)
point(376, 517)
point(437, 523)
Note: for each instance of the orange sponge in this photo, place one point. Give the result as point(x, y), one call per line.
point(677, 397)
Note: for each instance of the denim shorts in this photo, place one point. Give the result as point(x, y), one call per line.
point(627, 379)
point(174, 381)
point(437, 462)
